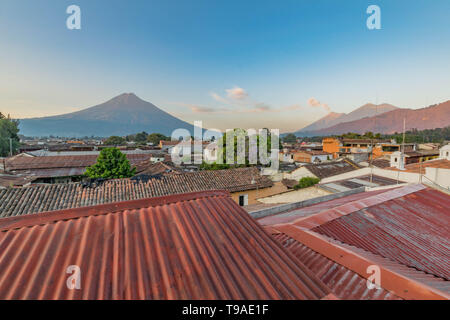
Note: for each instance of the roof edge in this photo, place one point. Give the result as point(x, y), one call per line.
point(101, 209)
point(315, 220)
point(404, 287)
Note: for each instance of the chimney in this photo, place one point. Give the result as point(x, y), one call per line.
point(398, 160)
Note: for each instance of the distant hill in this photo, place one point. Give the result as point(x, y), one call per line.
point(435, 116)
point(122, 115)
point(333, 118)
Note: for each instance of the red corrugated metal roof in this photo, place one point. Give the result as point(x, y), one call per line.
point(344, 282)
point(191, 246)
point(409, 225)
point(345, 266)
point(412, 229)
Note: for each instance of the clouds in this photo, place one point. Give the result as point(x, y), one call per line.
point(313, 102)
point(237, 93)
point(237, 100)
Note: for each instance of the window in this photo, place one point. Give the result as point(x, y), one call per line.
point(243, 200)
point(395, 160)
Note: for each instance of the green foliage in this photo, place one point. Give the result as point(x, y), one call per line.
point(214, 166)
point(290, 138)
point(242, 134)
point(111, 164)
point(437, 135)
point(141, 137)
point(155, 138)
point(9, 129)
point(306, 182)
point(114, 141)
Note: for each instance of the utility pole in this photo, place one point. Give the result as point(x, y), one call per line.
point(10, 147)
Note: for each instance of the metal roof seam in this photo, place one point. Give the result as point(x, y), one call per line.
point(311, 239)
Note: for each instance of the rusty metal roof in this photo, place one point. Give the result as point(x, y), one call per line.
point(344, 282)
point(191, 246)
point(408, 224)
point(343, 268)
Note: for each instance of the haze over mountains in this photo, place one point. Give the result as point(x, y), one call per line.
point(333, 118)
point(389, 121)
point(122, 115)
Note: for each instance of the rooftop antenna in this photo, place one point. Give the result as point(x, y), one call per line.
point(371, 148)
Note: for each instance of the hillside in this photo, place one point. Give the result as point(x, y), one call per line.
point(331, 119)
point(122, 115)
point(435, 116)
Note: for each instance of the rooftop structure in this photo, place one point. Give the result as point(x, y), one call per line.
point(191, 246)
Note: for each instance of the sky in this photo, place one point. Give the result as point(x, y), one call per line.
point(249, 64)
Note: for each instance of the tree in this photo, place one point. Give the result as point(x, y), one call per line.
point(214, 166)
point(306, 182)
point(9, 130)
point(114, 141)
point(155, 138)
point(290, 137)
point(141, 137)
point(111, 164)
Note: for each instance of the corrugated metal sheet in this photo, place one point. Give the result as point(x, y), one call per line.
point(193, 246)
point(295, 214)
point(345, 283)
point(412, 229)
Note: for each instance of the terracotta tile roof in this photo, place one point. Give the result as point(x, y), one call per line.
point(381, 163)
point(406, 224)
point(52, 162)
point(290, 183)
point(39, 198)
point(328, 169)
point(149, 168)
point(416, 167)
point(14, 180)
point(192, 246)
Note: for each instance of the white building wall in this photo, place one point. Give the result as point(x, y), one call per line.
point(439, 176)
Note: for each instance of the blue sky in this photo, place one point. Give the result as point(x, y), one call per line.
point(227, 63)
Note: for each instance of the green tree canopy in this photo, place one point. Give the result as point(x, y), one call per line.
point(290, 137)
point(141, 137)
point(155, 138)
point(111, 164)
point(114, 141)
point(306, 182)
point(9, 129)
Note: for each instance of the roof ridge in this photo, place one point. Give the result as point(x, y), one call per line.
point(48, 217)
point(397, 283)
point(322, 217)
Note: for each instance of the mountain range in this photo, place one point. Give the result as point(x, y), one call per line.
point(383, 118)
point(122, 115)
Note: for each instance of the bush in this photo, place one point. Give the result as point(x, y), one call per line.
point(306, 182)
point(214, 166)
point(111, 164)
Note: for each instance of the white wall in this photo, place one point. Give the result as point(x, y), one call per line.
point(439, 176)
point(401, 175)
